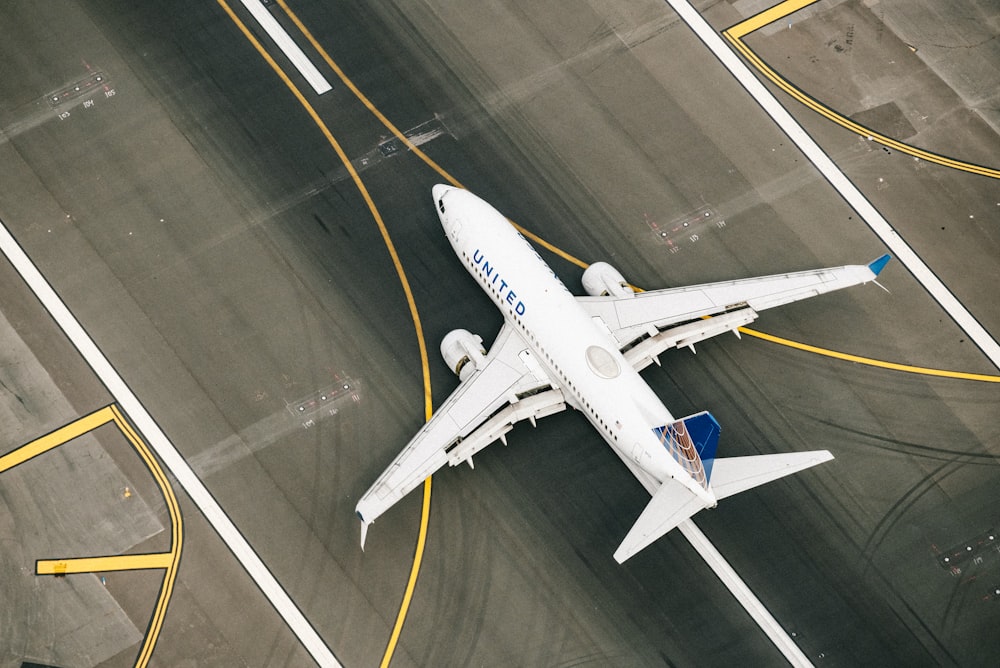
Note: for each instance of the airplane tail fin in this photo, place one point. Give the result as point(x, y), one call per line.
point(692, 442)
point(704, 431)
point(675, 502)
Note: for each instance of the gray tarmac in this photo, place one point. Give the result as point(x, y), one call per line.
point(205, 234)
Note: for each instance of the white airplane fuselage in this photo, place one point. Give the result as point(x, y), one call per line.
point(577, 351)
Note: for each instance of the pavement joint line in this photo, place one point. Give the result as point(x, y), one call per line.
point(288, 46)
point(168, 453)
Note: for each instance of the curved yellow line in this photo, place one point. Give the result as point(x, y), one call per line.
point(425, 513)
point(169, 561)
point(868, 361)
point(428, 406)
point(735, 34)
point(411, 583)
point(176, 536)
point(364, 100)
point(402, 137)
point(357, 182)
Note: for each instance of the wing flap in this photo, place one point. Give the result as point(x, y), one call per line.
point(530, 408)
point(646, 351)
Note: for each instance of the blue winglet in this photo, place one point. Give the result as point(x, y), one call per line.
point(877, 265)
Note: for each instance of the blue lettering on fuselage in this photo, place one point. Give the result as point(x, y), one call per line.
point(504, 288)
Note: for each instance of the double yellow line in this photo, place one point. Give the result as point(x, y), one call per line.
point(168, 561)
point(735, 37)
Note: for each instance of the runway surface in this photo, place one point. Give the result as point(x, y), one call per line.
point(204, 231)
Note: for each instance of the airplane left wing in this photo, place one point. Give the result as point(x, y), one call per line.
point(647, 323)
point(511, 386)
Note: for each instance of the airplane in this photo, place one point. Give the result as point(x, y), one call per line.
point(556, 349)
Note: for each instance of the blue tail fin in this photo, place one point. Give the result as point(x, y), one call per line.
point(704, 432)
point(698, 433)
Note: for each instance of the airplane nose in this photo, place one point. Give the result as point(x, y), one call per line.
point(439, 191)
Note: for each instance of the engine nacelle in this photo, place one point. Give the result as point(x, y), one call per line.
point(463, 352)
point(601, 279)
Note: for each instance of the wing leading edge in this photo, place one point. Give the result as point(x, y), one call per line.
point(648, 323)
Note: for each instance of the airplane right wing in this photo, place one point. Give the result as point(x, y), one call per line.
point(511, 386)
point(648, 323)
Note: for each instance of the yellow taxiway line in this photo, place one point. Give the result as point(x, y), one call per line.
point(735, 37)
point(122, 562)
point(768, 16)
point(868, 361)
point(386, 238)
point(168, 561)
point(399, 135)
point(54, 439)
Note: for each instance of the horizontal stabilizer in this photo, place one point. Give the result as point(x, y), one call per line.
point(672, 504)
point(732, 475)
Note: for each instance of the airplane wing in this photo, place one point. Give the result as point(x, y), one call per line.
point(511, 386)
point(647, 323)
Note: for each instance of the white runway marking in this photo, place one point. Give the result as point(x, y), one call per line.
point(878, 224)
point(287, 46)
point(172, 459)
point(739, 589)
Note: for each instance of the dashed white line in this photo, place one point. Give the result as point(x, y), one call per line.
point(171, 458)
point(287, 46)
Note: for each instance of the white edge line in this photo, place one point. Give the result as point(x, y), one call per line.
point(878, 224)
point(287, 46)
point(173, 460)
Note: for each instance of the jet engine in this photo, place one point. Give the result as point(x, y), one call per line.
point(601, 279)
point(463, 352)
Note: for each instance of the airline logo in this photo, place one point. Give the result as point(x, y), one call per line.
point(502, 287)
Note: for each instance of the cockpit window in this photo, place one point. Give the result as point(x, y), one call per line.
point(441, 204)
